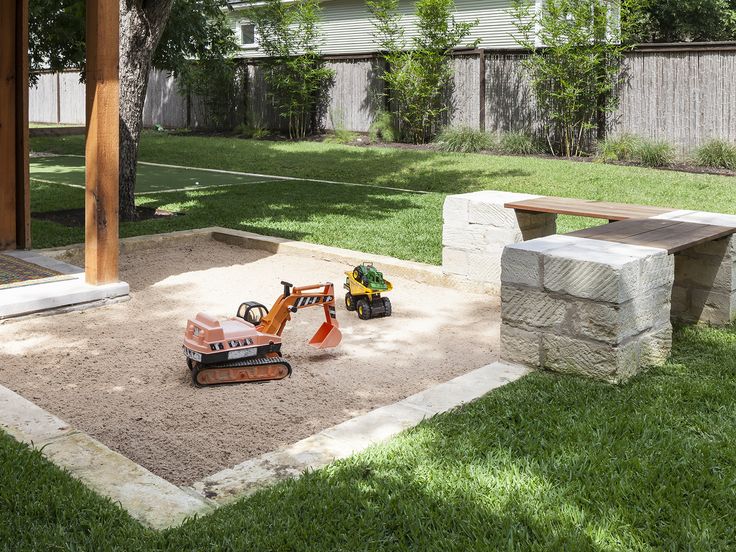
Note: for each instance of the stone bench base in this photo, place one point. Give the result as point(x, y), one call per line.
point(705, 275)
point(586, 307)
point(477, 227)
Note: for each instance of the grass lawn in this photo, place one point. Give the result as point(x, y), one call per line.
point(547, 463)
point(368, 219)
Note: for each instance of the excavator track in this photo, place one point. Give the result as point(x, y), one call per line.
point(240, 371)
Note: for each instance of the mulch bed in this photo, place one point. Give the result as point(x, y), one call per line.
point(74, 218)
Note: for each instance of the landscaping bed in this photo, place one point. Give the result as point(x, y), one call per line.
point(118, 373)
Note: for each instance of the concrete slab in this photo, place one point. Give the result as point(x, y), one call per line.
point(19, 301)
point(45, 261)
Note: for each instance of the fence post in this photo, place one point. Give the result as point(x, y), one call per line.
point(58, 97)
point(482, 90)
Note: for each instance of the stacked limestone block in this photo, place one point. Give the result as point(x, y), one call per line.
point(586, 307)
point(705, 275)
point(477, 227)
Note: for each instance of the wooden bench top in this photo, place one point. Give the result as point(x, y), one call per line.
point(587, 208)
point(671, 235)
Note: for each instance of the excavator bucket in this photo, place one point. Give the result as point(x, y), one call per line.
point(327, 337)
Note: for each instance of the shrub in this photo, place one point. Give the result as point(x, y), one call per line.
point(418, 74)
point(298, 79)
point(382, 128)
point(342, 136)
point(464, 139)
point(716, 153)
point(575, 73)
point(618, 148)
point(216, 87)
point(255, 131)
point(655, 153)
point(517, 143)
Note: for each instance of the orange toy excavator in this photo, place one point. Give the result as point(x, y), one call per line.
point(247, 348)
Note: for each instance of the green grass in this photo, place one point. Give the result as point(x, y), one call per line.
point(546, 463)
point(371, 220)
point(70, 170)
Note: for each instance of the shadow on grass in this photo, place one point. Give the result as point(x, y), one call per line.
point(375, 221)
point(546, 463)
point(549, 462)
point(424, 170)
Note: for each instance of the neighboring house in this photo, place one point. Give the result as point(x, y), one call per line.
point(347, 29)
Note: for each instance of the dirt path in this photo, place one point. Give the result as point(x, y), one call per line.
point(118, 372)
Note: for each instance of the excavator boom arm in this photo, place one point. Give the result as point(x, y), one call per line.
point(296, 298)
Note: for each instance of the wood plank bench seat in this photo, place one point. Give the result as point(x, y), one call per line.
point(586, 208)
point(672, 235)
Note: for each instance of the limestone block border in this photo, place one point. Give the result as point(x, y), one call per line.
point(418, 272)
point(160, 504)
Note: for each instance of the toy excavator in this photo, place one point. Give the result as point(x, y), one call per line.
point(364, 286)
point(247, 348)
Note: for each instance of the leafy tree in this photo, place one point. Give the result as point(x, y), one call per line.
point(153, 33)
point(576, 72)
point(289, 36)
point(419, 72)
point(679, 20)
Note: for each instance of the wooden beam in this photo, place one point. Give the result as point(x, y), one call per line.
point(22, 168)
point(103, 139)
point(8, 21)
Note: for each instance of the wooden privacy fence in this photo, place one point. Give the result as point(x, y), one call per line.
point(682, 93)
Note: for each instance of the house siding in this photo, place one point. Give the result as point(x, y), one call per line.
point(347, 27)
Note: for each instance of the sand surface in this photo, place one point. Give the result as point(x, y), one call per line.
point(118, 372)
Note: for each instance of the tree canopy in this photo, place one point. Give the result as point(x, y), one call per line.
point(196, 29)
point(679, 20)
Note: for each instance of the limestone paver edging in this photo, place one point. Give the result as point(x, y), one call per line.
point(160, 504)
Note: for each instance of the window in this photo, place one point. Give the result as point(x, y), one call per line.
point(248, 34)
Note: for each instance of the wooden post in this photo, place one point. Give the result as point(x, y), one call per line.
point(103, 140)
point(8, 11)
point(22, 168)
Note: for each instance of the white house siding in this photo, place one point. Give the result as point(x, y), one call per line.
point(347, 28)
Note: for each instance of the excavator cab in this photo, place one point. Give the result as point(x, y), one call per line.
point(252, 312)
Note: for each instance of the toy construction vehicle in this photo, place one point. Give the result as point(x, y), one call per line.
point(364, 286)
point(247, 348)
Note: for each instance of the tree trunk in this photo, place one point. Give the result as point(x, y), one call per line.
point(142, 22)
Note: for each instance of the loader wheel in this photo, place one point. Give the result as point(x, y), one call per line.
point(349, 302)
point(386, 307)
point(364, 309)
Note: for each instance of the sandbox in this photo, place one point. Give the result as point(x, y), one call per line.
point(118, 372)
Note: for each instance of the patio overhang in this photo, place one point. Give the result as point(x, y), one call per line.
point(102, 146)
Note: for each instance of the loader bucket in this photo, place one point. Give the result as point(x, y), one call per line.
point(327, 337)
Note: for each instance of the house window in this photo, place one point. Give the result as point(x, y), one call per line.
point(248, 34)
